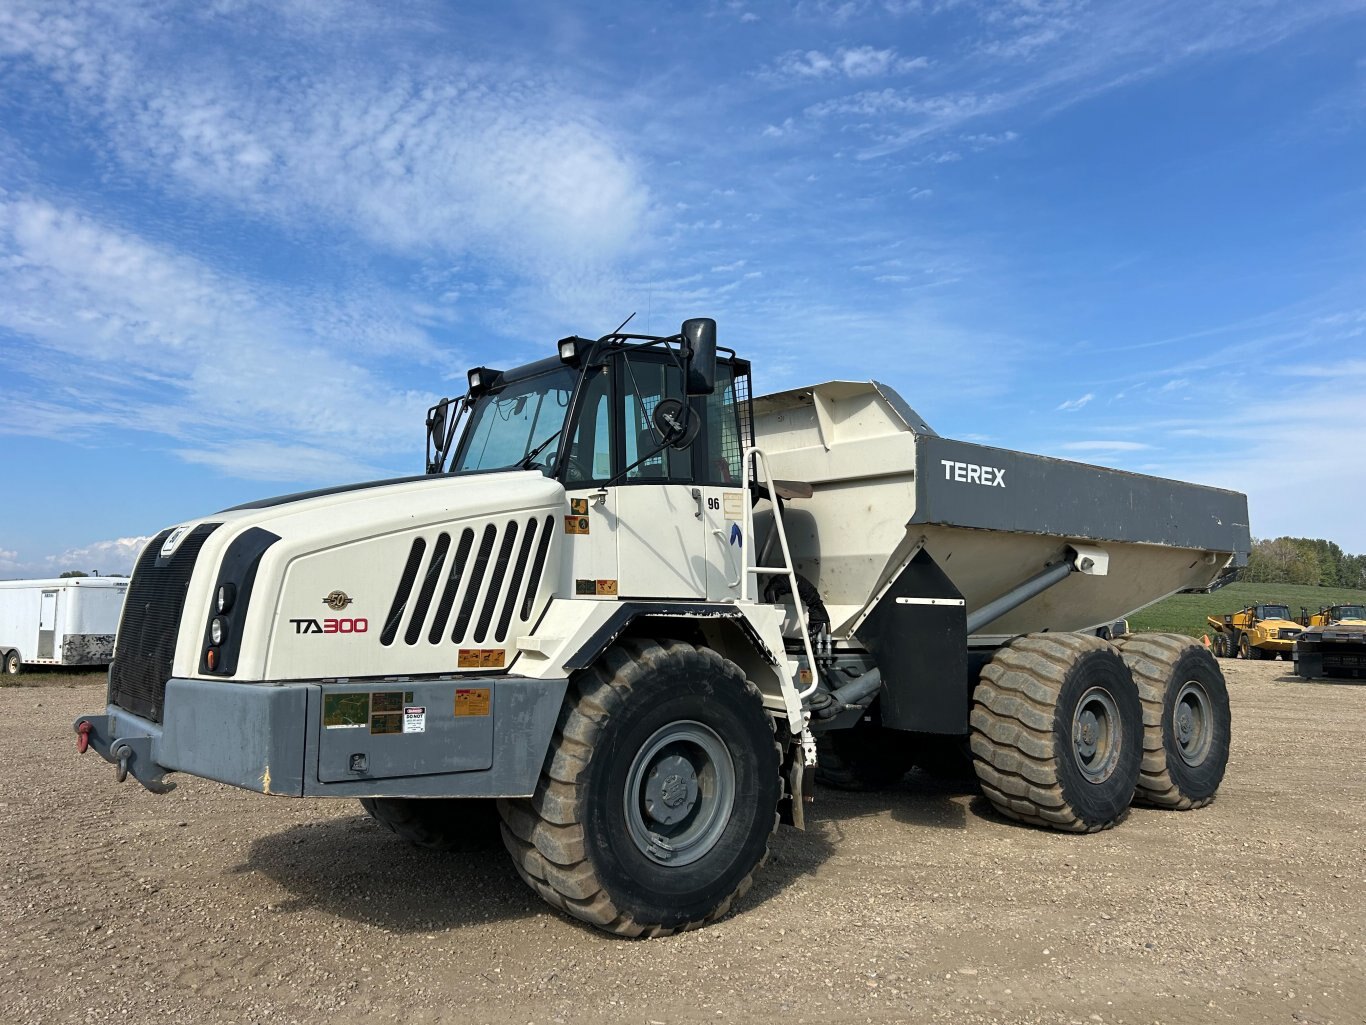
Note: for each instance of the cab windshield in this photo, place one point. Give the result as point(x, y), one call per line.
point(520, 424)
point(1273, 612)
point(1352, 612)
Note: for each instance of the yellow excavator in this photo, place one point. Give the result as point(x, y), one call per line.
point(1257, 631)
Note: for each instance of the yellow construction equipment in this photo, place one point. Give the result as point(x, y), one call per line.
point(1257, 631)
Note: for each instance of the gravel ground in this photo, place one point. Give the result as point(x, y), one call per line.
point(918, 904)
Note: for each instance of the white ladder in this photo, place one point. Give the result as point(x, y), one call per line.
point(752, 456)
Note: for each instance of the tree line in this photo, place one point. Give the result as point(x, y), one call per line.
point(1303, 560)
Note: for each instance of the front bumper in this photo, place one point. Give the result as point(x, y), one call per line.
point(482, 736)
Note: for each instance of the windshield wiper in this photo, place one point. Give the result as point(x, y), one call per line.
point(529, 460)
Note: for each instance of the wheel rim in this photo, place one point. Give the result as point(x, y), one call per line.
point(1096, 735)
point(1193, 723)
point(680, 790)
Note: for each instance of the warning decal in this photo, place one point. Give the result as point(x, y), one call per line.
point(576, 524)
point(472, 701)
point(481, 658)
point(415, 719)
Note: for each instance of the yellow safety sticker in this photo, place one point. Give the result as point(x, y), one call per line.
point(390, 722)
point(386, 701)
point(578, 506)
point(576, 524)
point(481, 658)
point(734, 503)
point(472, 701)
point(606, 587)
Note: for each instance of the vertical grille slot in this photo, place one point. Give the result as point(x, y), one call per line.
point(152, 609)
point(496, 582)
point(424, 597)
point(481, 562)
point(534, 584)
point(515, 585)
point(448, 593)
point(404, 592)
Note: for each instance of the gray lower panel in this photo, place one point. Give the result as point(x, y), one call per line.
point(516, 735)
point(245, 735)
point(270, 737)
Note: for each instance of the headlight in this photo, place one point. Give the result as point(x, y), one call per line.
point(223, 600)
point(218, 630)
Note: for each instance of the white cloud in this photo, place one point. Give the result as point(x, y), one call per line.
point(1072, 405)
point(441, 159)
point(855, 62)
point(116, 555)
point(133, 334)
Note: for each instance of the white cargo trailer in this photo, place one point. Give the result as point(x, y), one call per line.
point(66, 622)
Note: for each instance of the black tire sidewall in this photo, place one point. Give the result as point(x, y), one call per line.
point(1098, 804)
point(1197, 781)
point(682, 689)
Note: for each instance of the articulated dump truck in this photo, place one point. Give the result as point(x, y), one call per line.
point(1333, 642)
point(628, 609)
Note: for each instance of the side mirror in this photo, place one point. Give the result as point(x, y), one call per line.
point(699, 352)
point(436, 422)
point(436, 436)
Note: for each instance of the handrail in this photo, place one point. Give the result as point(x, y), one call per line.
point(787, 567)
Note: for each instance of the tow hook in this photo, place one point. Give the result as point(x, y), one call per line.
point(123, 753)
point(82, 737)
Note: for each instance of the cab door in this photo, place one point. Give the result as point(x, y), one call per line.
point(661, 530)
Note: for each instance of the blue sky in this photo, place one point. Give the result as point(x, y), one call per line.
point(244, 245)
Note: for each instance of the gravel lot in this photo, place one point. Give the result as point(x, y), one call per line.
point(916, 905)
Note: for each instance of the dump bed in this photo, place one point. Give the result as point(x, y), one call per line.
point(886, 485)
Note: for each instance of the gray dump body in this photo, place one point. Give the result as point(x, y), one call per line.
point(886, 487)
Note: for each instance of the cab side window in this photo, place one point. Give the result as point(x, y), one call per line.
point(723, 430)
point(590, 454)
point(646, 382)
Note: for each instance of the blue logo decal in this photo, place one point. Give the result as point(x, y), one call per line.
point(736, 538)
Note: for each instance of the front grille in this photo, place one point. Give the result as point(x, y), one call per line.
point(152, 608)
point(484, 578)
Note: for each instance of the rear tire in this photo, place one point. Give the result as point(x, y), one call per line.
point(1057, 730)
point(12, 664)
point(658, 796)
point(1186, 720)
point(438, 824)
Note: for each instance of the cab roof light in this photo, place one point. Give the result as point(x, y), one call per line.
point(481, 380)
point(571, 349)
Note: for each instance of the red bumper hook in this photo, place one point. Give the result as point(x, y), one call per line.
point(82, 737)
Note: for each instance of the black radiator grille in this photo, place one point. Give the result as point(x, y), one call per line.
point(152, 609)
point(470, 588)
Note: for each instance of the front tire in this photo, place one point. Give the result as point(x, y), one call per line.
point(658, 796)
point(12, 664)
point(1057, 729)
point(1186, 720)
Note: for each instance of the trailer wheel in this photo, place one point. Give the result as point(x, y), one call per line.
point(1057, 732)
point(658, 796)
point(1186, 720)
point(12, 664)
point(438, 824)
point(864, 757)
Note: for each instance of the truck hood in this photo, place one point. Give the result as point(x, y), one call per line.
point(356, 541)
